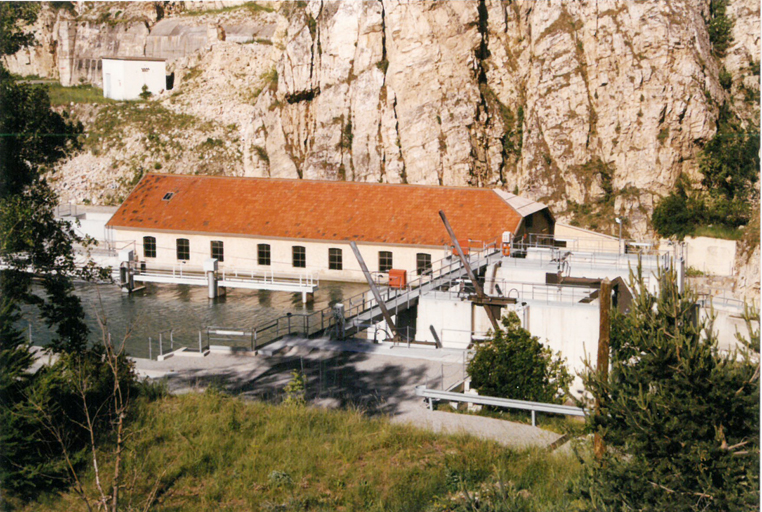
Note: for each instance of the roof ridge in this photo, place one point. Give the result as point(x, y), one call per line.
point(337, 182)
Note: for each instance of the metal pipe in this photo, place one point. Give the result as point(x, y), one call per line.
point(376, 294)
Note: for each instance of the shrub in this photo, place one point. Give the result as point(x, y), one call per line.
point(720, 27)
point(680, 213)
point(145, 94)
point(514, 364)
point(295, 390)
point(726, 79)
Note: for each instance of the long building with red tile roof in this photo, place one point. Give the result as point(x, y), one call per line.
point(230, 210)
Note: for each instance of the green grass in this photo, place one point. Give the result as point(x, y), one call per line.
point(728, 233)
point(252, 7)
point(213, 452)
point(60, 95)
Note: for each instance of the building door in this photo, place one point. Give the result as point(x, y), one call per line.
point(107, 85)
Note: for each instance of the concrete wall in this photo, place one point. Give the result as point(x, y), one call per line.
point(569, 329)
point(579, 239)
point(711, 255)
point(450, 318)
point(124, 79)
point(241, 253)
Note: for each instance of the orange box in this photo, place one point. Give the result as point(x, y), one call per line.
point(397, 278)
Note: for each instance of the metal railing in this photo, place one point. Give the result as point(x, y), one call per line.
point(534, 407)
point(65, 210)
point(231, 274)
point(443, 272)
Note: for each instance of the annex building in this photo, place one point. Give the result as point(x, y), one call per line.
point(300, 226)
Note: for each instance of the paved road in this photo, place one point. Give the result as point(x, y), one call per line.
point(377, 378)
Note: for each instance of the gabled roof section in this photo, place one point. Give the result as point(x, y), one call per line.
point(522, 205)
point(314, 210)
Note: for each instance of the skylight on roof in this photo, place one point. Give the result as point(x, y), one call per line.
point(167, 196)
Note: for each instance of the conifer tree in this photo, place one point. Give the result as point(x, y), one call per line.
point(680, 418)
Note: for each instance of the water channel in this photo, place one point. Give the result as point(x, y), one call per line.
point(185, 309)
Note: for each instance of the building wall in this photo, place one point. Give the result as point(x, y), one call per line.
point(124, 79)
point(241, 253)
point(710, 255)
point(580, 239)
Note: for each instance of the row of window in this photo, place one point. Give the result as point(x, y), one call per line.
point(298, 255)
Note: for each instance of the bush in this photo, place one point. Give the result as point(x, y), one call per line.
point(295, 390)
point(726, 79)
point(729, 164)
point(514, 364)
point(145, 93)
point(680, 213)
point(679, 418)
point(720, 27)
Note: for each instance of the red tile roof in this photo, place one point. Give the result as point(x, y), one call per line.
point(316, 210)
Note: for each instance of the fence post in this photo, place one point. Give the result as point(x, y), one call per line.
point(200, 349)
point(255, 340)
point(172, 339)
point(534, 419)
point(604, 297)
point(150, 355)
point(161, 346)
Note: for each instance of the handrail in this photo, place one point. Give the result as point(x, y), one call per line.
point(432, 394)
point(322, 319)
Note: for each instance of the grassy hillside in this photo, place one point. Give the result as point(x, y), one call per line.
point(214, 452)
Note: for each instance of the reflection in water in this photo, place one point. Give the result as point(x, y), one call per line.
point(186, 309)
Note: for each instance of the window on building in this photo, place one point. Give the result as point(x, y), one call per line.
point(218, 250)
point(167, 196)
point(335, 261)
point(149, 247)
point(384, 261)
point(299, 256)
point(183, 249)
point(422, 263)
point(263, 254)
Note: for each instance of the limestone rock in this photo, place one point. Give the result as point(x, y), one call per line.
point(598, 102)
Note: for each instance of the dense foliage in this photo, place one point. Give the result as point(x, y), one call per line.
point(48, 417)
point(680, 418)
point(719, 26)
point(514, 364)
point(729, 165)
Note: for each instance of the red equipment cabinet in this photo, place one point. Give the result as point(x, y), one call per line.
point(397, 278)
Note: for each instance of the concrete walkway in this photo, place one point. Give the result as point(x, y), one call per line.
point(378, 378)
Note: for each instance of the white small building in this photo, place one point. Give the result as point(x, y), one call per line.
point(124, 77)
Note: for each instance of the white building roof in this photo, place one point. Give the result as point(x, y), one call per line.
point(522, 205)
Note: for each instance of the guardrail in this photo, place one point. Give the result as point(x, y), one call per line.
point(534, 407)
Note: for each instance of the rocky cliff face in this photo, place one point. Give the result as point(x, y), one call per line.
point(594, 107)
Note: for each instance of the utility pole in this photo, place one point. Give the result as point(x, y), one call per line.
point(603, 355)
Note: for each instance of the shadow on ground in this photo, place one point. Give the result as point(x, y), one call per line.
point(375, 384)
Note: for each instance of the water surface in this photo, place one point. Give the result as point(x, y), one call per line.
point(185, 309)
